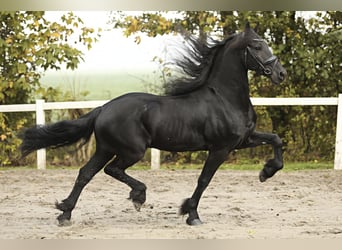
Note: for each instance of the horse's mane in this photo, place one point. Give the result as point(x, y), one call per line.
point(195, 64)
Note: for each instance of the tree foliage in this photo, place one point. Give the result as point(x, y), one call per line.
point(29, 45)
point(309, 48)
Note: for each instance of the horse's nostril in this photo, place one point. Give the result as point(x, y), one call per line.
point(282, 75)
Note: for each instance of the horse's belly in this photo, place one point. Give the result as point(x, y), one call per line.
point(227, 131)
point(180, 140)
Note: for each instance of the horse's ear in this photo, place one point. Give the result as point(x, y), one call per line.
point(256, 28)
point(247, 26)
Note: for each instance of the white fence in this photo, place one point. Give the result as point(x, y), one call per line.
point(41, 106)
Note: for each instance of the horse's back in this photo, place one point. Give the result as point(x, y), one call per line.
point(146, 120)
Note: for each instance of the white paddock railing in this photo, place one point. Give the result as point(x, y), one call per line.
point(40, 106)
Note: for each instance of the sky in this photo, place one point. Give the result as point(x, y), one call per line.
point(114, 52)
point(115, 64)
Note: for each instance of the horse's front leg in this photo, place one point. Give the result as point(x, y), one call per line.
point(272, 165)
point(189, 206)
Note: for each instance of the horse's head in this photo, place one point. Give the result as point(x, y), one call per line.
point(259, 58)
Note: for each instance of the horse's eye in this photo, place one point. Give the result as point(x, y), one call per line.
point(257, 47)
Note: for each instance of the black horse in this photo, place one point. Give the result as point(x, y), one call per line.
point(210, 109)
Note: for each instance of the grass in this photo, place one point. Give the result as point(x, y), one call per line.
point(291, 166)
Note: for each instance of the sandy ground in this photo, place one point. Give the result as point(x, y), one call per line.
point(303, 204)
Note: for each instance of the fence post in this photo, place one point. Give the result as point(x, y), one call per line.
point(155, 158)
point(40, 120)
point(338, 144)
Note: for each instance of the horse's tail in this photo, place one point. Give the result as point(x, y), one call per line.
point(58, 134)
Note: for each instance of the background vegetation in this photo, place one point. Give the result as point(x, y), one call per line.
point(309, 49)
point(30, 45)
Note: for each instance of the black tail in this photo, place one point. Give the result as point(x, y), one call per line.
point(58, 134)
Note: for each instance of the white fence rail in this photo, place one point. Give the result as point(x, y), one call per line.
point(41, 106)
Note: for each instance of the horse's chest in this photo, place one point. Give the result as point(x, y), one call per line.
point(251, 118)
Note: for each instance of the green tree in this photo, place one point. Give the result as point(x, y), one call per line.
point(308, 48)
point(29, 45)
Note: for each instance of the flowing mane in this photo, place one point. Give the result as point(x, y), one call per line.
point(195, 64)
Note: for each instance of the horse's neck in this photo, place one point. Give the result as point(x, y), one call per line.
point(229, 77)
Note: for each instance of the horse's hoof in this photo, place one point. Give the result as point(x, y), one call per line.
point(62, 222)
point(195, 222)
point(262, 176)
point(137, 206)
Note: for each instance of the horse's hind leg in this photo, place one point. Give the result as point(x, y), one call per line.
point(117, 169)
point(86, 173)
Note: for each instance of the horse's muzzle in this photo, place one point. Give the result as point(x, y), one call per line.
point(278, 74)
